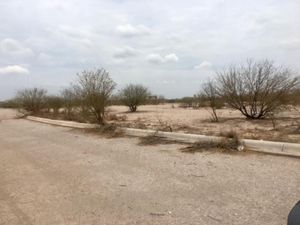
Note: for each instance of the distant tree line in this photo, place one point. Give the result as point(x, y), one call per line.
point(85, 100)
point(256, 89)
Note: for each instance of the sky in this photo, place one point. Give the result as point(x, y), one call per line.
point(170, 46)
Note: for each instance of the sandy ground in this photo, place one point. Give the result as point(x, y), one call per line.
point(287, 124)
point(6, 114)
point(54, 175)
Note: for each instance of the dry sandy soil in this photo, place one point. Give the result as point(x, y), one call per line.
point(8, 114)
point(54, 175)
point(287, 124)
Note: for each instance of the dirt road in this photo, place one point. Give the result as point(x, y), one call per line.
point(53, 175)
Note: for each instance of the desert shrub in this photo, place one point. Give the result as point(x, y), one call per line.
point(194, 102)
point(163, 125)
point(134, 95)
point(224, 144)
point(107, 130)
point(229, 134)
point(54, 103)
point(172, 100)
point(209, 93)
point(229, 142)
point(186, 102)
point(93, 90)
point(70, 102)
point(160, 100)
point(32, 100)
point(156, 100)
point(256, 88)
point(9, 104)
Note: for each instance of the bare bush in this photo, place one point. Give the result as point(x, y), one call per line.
point(164, 125)
point(257, 88)
point(93, 89)
point(54, 103)
point(32, 100)
point(69, 101)
point(224, 144)
point(134, 95)
point(156, 100)
point(209, 93)
point(186, 102)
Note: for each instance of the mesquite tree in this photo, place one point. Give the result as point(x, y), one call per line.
point(93, 90)
point(134, 95)
point(32, 100)
point(256, 89)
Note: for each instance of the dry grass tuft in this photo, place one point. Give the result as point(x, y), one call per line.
point(229, 134)
point(225, 144)
point(164, 126)
point(115, 117)
point(107, 130)
point(153, 139)
point(21, 115)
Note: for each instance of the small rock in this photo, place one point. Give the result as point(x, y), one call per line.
point(240, 148)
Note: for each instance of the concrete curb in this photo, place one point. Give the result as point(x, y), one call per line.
point(279, 148)
point(62, 123)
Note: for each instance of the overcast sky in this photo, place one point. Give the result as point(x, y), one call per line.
point(171, 46)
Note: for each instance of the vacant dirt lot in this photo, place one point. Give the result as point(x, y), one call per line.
point(287, 124)
point(54, 175)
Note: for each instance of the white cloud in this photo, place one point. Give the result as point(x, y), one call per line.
point(15, 69)
point(155, 58)
point(204, 65)
point(171, 58)
point(126, 52)
point(43, 57)
point(14, 47)
point(167, 82)
point(293, 44)
point(129, 30)
point(158, 59)
point(71, 35)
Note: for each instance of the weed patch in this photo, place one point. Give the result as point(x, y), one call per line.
point(107, 130)
point(224, 144)
point(153, 139)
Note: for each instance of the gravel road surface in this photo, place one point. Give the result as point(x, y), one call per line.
point(54, 175)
